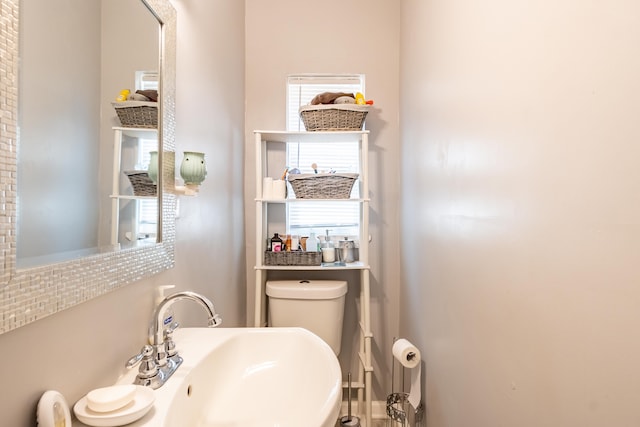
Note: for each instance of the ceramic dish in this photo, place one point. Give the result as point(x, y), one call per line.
point(141, 404)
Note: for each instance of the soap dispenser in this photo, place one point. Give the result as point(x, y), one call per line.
point(327, 243)
point(328, 251)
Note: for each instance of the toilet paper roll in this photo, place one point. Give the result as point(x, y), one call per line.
point(279, 189)
point(409, 356)
point(406, 353)
point(267, 188)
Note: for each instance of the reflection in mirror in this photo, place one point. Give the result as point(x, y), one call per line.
point(30, 294)
point(75, 57)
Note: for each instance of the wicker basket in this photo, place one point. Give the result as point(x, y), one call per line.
point(141, 183)
point(292, 258)
point(400, 410)
point(333, 117)
point(137, 114)
point(322, 185)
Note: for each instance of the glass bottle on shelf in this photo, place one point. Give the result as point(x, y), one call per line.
point(276, 243)
point(312, 243)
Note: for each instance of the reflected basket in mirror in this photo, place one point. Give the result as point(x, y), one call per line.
point(137, 114)
point(141, 183)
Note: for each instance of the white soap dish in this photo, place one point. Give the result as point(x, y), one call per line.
point(135, 409)
point(53, 410)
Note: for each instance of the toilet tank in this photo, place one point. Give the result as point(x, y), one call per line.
point(316, 305)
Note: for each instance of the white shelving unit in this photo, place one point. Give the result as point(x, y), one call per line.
point(116, 197)
point(264, 140)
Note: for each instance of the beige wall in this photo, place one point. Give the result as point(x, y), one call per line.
point(521, 215)
point(289, 36)
point(86, 346)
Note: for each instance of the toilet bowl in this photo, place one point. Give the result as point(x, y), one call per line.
point(316, 305)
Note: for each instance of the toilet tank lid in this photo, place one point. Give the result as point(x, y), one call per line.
point(306, 289)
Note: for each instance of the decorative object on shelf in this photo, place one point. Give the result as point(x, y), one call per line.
point(123, 96)
point(141, 183)
point(360, 100)
point(347, 250)
point(323, 185)
point(193, 169)
point(153, 166)
point(137, 114)
point(333, 117)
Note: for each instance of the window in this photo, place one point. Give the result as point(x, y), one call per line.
point(342, 219)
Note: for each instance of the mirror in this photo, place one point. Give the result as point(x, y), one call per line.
point(75, 58)
point(29, 294)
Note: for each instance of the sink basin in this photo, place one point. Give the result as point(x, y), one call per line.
point(249, 377)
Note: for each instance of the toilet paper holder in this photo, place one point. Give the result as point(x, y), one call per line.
point(400, 413)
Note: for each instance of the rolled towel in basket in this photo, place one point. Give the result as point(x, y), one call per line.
point(138, 97)
point(329, 97)
point(151, 94)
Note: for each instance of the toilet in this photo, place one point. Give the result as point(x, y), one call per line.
point(316, 305)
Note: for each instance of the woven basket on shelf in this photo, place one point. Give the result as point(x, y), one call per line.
point(322, 185)
point(137, 114)
point(292, 258)
point(141, 183)
point(333, 117)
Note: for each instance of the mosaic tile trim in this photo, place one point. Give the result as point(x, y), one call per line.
point(32, 294)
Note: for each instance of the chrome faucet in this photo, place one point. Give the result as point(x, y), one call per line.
point(160, 361)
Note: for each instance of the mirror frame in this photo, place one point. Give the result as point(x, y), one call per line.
point(27, 295)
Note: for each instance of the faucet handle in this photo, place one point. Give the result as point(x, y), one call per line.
point(171, 328)
point(148, 365)
point(169, 344)
point(133, 362)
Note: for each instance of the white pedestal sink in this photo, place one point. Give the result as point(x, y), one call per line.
point(248, 377)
